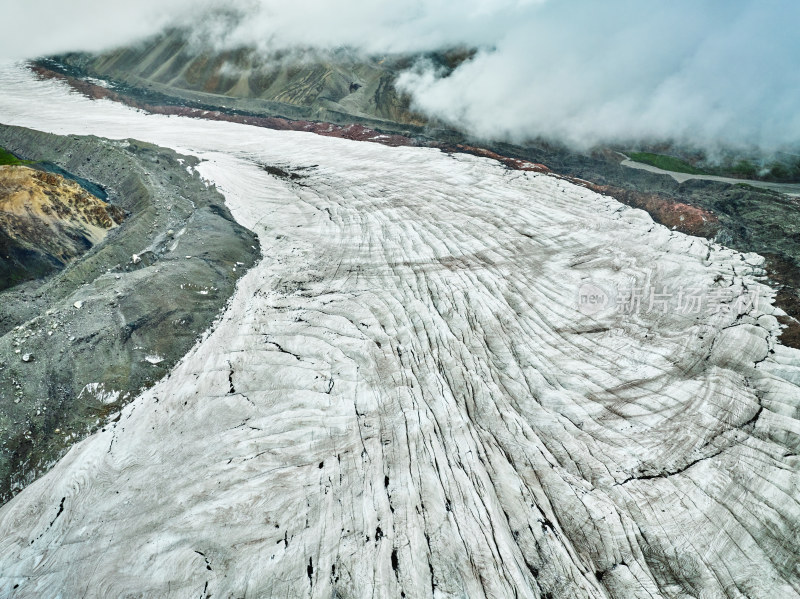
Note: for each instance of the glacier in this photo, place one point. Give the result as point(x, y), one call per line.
point(406, 396)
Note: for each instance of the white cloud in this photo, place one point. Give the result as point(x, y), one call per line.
point(710, 72)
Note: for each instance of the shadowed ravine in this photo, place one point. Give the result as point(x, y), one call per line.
point(403, 397)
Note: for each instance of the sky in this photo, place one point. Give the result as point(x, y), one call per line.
point(705, 72)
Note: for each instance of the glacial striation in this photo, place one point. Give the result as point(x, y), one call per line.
point(444, 378)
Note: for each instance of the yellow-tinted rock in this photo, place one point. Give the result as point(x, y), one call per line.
point(48, 218)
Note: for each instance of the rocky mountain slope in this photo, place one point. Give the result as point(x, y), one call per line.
point(445, 378)
point(78, 344)
point(46, 222)
point(332, 87)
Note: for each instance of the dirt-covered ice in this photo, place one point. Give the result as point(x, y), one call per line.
point(444, 379)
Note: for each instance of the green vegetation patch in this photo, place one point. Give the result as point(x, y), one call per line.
point(744, 168)
point(781, 172)
point(667, 163)
point(8, 159)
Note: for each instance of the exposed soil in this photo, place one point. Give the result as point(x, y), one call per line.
point(682, 217)
point(784, 273)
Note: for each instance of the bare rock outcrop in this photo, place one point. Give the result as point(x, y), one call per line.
point(47, 221)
